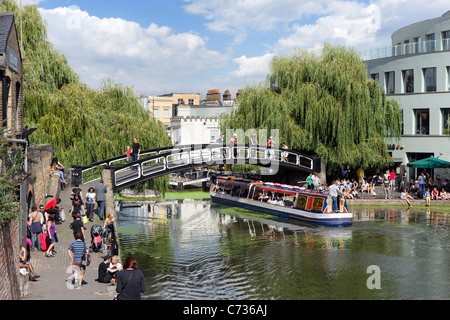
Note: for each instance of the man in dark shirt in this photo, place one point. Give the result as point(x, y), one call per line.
point(100, 195)
point(136, 152)
point(102, 269)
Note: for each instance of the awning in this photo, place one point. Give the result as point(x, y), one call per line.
point(430, 162)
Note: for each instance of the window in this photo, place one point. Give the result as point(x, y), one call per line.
point(445, 120)
point(191, 102)
point(5, 110)
point(422, 121)
point(390, 82)
point(446, 40)
point(416, 46)
point(408, 81)
point(448, 78)
point(429, 79)
point(214, 135)
point(430, 44)
point(406, 46)
point(180, 101)
point(166, 113)
point(156, 113)
point(375, 76)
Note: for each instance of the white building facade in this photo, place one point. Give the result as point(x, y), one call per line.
point(197, 124)
point(415, 70)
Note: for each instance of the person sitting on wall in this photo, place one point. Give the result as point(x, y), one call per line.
point(405, 196)
point(443, 194)
point(57, 168)
point(354, 193)
point(32, 276)
point(435, 194)
point(103, 270)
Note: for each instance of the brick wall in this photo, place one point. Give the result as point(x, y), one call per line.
point(9, 261)
point(40, 172)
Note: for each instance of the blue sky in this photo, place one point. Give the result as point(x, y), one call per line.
point(192, 46)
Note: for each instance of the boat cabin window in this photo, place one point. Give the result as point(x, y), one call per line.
point(260, 195)
point(224, 188)
point(274, 197)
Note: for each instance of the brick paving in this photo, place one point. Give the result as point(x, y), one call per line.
point(52, 284)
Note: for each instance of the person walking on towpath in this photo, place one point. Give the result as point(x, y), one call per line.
point(75, 252)
point(100, 194)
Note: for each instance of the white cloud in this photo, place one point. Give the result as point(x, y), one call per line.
point(159, 59)
point(342, 26)
point(251, 67)
point(257, 14)
point(153, 57)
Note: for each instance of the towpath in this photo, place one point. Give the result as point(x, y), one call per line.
point(52, 284)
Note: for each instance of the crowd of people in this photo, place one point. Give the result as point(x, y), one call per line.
point(42, 236)
point(352, 185)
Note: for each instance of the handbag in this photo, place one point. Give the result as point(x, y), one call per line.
point(36, 227)
point(85, 219)
point(86, 259)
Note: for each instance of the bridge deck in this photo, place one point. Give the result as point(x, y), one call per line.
point(162, 161)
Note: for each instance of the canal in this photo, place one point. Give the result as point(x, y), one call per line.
point(195, 249)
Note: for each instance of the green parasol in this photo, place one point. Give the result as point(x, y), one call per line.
point(430, 162)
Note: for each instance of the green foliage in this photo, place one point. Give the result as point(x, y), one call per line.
point(324, 104)
point(83, 125)
point(10, 175)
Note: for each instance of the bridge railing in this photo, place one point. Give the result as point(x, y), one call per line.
point(160, 161)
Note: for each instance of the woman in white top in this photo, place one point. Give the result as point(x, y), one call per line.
point(90, 203)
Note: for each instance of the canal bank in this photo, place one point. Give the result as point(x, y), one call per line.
point(55, 278)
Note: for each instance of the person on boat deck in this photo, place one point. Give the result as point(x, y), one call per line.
point(334, 192)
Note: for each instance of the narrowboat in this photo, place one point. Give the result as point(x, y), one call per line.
point(281, 200)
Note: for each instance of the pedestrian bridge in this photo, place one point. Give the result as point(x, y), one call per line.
point(157, 162)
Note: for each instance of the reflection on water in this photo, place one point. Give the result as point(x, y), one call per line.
point(193, 249)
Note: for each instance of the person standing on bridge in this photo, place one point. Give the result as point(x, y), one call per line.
point(136, 152)
point(253, 144)
point(100, 195)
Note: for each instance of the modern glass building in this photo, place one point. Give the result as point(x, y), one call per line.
point(415, 70)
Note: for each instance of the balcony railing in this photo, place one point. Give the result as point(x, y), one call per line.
point(407, 48)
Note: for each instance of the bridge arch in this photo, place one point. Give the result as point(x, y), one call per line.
point(158, 162)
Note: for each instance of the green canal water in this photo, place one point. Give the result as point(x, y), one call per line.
point(195, 249)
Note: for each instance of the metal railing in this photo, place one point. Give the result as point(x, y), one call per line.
point(407, 48)
point(161, 161)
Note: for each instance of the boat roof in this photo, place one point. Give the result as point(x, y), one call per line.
point(268, 186)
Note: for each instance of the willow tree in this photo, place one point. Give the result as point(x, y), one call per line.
point(323, 103)
point(82, 124)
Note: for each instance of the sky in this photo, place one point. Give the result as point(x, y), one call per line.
point(192, 46)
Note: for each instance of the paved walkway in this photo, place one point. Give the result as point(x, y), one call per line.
point(52, 284)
